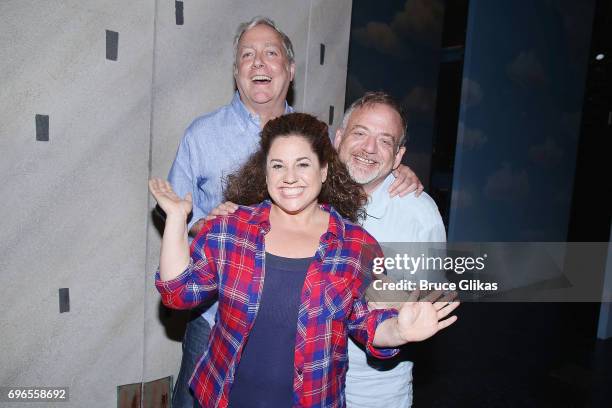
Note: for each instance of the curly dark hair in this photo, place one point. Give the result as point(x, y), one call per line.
point(248, 186)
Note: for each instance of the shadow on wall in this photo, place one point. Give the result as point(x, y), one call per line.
point(174, 321)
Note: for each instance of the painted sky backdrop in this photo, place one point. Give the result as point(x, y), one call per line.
point(522, 93)
point(395, 47)
point(523, 87)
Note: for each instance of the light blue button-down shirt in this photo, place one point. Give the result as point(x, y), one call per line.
point(214, 146)
point(392, 221)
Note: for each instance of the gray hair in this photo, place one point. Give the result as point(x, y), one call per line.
point(377, 98)
point(255, 21)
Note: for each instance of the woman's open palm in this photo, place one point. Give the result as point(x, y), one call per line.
point(167, 198)
point(420, 319)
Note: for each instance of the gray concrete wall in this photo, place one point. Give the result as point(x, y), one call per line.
point(326, 82)
point(76, 212)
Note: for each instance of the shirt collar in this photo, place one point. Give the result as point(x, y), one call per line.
point(379, 199)
point(261, 216)
point(244, 116)
point(247, 117)
point(336, 225)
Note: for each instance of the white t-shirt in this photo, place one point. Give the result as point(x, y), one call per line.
point(391, 220)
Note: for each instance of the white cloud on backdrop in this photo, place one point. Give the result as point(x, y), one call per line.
point(380, 37)
point(419, 17)
point(471, 93)
point(420, 100)
point(507, 184)
point(461, 199)
point(527, 70)
point(472, 138)
point(420, 21)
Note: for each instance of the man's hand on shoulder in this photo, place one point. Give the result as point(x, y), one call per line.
point(225, 208)
point(406, 181)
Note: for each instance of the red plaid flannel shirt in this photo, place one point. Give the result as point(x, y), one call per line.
point(227, 259)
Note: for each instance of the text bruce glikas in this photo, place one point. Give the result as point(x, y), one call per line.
point(413, 264)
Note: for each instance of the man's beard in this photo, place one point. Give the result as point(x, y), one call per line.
point(361, 177)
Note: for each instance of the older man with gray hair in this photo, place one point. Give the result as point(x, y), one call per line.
point(217, 143)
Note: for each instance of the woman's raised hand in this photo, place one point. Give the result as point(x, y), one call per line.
point(167, 199)
point(421, 319)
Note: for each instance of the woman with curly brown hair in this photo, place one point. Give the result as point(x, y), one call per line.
point(248, 185)
point(284, 343)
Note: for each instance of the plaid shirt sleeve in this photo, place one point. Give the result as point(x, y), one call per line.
point(198, 282)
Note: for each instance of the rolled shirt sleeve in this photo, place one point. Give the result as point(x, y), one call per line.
point(375, 318)
point(197, 283)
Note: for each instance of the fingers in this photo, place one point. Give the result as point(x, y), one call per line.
point(432, 296)
point(435, 296)
point(158, 185)
point(225, 208)
point(385, 305)
point(231, 207)
point(215, 211)
point(404, 191)
point(400, 178)
point(406, 182)
point(445, 300)
point(419, 189)
point(443, 324)
point(447, 309)
point(414, 296)
point(153, 184)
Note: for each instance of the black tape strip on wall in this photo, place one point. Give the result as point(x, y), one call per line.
point(112, 45)
point(178, 12)
point(64, 300)
point(42, 128)
point(322, 54)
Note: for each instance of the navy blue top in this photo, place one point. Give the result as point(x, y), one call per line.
point(264, 377)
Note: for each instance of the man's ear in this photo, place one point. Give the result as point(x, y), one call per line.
point(398, 156)
point(338, 138)
point(291, 71)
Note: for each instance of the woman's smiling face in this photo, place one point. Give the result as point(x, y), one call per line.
point(294, 176)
